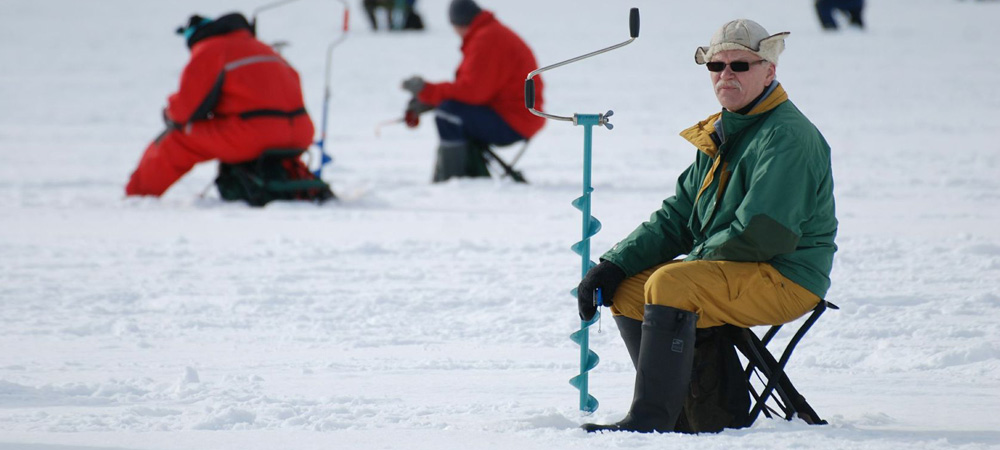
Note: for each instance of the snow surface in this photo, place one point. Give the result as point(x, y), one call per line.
point(419, 316)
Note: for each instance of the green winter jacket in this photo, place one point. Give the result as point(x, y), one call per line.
point(763, 193)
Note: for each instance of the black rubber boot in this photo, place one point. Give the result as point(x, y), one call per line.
point(631, 331)
point(452, 157)
point(459, 159)
point(666, 355)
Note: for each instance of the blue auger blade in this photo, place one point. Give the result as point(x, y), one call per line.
point(579, 335)
point(588, 360)
point(595, 226)
point(579, 201)
point(589, 403)
point(592, 361)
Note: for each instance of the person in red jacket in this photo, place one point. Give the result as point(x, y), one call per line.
point(485, 104)
point(237, 98)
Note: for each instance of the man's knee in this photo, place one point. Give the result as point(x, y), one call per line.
point(629, 298)
point(688, 285)
point(449, 119)
point(676, 285)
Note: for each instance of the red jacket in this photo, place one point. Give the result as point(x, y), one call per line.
point(256, 78)
point(494, 66)
point(228, 75)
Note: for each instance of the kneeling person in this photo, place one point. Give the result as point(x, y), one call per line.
point(237, 99)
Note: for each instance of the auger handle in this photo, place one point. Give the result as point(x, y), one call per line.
point(529, 93)
point(529, 83)
point(633, 23)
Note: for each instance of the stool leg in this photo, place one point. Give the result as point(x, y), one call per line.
point(756, 351)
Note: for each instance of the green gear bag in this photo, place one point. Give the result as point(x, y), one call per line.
point(275, 175)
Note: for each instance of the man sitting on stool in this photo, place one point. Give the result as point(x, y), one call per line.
point(485, 104)
point(754, 213)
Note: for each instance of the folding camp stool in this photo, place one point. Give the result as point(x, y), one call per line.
point(508, 167)
point(762, 365)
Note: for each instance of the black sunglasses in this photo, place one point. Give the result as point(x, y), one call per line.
point(735, 66)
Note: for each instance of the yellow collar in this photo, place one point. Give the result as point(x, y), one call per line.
point(700, 135)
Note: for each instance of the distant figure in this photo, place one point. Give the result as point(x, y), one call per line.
point(485, 104)
point(237, 99)
point(852, 8)
point(399, 14)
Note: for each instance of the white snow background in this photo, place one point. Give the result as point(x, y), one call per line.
point(419, 316)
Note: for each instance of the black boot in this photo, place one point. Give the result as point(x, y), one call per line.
point(666, 354)
point(631, 331)
point(451, 160)
point(459, 159)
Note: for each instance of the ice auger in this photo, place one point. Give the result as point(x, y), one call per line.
point(588, 359)
point(324, 157)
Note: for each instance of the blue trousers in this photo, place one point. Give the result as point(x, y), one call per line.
point(466, 132)
point(460, 122)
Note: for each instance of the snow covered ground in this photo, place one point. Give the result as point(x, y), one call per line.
point(419, 316)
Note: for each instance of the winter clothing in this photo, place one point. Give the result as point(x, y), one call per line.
point(853, 9)
point(743, 34)
point(744, 294)
point(413, 84)
point(465, 130)
point(195, 23)
point(459, 159)
point(763, 193)
point(755, 216)
point(605, 276)
point(200, 28)
point(462, 122)
point(417, 107)
point(462, 12)
point(663, 372)
point(631, 332)
point(718, 396)
point(494, 64)
point(237, 98)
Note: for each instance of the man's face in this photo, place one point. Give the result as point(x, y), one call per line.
point(737, 89)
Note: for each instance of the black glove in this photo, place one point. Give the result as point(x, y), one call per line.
point(414, 84)
point(606, 276)
point(413, 111)
point(417, 106)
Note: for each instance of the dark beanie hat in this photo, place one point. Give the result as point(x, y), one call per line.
point(461, 12)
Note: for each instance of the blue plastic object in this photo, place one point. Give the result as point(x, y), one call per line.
point(588, 359)
point(324, 157)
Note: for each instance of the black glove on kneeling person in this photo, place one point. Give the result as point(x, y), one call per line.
point(606, 276)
